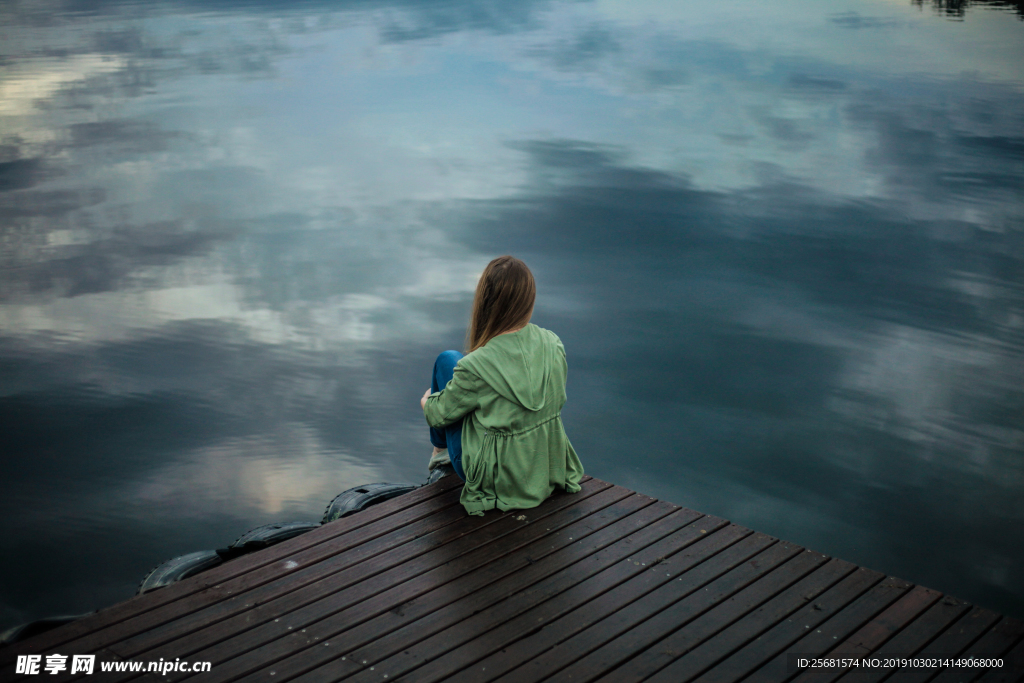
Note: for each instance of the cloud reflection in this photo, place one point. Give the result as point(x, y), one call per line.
point(788, 252)
point(813, 337)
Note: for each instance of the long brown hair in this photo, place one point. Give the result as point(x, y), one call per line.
point(503, 301)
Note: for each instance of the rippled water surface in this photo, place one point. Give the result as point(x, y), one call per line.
point(783, 244)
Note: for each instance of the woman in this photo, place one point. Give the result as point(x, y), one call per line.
point(494, 413)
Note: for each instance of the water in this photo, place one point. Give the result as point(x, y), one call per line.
point(782, 242)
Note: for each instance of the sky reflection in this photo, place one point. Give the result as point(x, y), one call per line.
point(782, 244)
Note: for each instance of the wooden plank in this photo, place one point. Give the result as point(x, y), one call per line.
point(995, 643)
point(420, 510)
point(954, 640)
point(272, 600)
point(911, 639)
point(606, 586)
point(525, 637)
point(265, 607)
point(397, 588)
point(1012, 670)
point(343, 589)
point(778, 638)
point(236, 597)
point(706, 655)
point(880, 629)
point(675, 615)
point(839, 627)
point(660, 653)
point(688, 594)
point(872, 635)
point(347, 527)
point(410, 647)
point(311, 578)
point(486, 586)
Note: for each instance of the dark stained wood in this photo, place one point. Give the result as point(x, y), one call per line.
point(607, 624)
point(554, 621)
point(717, 648)
point(781, 637)
point(638, 624)
point(872, 635)
point(820, 640)
point(1012, 670)
point(415, 595)
point(266, 630)
point(682, 640)
point(569, 544)
point(994, 644)
point(604, 586)
point(953, 641)
point(700, 614)
point(390, 550)
point(408, 644)
point(910, 640)
point(532, 608)
point(420, 543)
point(333, 538)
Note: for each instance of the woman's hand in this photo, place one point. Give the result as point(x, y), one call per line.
point(423, 401)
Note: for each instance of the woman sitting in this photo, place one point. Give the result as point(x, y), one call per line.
point(495, 413)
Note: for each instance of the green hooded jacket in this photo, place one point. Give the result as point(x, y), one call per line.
point(509, 393)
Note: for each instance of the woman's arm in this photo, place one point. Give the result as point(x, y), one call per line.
point(459, 397)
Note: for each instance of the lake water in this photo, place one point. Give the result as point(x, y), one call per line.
point(783, 244)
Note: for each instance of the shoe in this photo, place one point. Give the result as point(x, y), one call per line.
point(439, 472)
point(438, 459)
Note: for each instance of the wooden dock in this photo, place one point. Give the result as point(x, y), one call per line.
point(604, 585)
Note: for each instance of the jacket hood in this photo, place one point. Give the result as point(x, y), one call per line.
point(517, 365)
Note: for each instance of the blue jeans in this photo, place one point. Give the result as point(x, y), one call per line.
point(450, 436)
